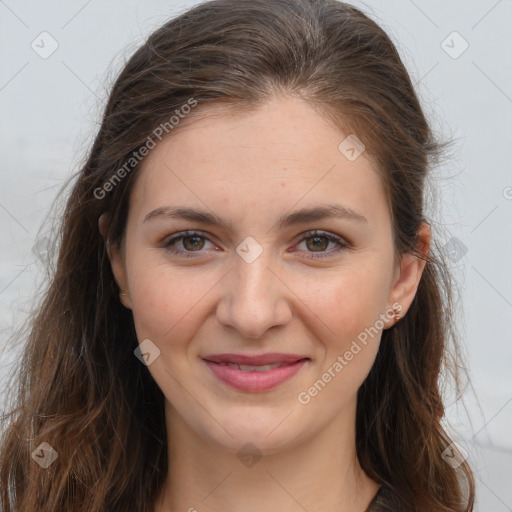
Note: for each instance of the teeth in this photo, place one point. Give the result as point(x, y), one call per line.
point(250, 368)
point(246, 368)
point(266, 367)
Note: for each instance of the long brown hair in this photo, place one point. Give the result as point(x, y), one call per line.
point(79, 386)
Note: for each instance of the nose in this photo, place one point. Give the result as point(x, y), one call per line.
point(254, 299)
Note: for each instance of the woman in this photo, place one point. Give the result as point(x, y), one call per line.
point(247, 310)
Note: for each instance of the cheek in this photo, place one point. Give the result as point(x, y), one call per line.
point(348, 326)
point(161, 297)
point(347, 301)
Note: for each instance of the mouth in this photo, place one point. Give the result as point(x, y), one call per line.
point(255, 373)
point(256, 360)
point(251, 368)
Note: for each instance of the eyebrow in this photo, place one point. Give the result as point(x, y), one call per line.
point(298, 217)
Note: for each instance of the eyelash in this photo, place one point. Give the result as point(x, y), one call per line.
point(310, 234)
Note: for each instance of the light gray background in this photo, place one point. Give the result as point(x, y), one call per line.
point(50, 109)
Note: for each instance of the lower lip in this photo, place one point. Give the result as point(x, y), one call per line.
point(255, 381)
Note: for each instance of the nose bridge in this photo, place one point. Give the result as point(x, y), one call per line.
point(253, 301)
point(254, 280)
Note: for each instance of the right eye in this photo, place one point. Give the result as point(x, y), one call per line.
point(191, 241)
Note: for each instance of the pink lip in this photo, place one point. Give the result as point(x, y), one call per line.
point(254, 380)
point(255, 360)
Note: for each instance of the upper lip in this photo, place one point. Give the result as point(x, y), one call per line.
point(255, 360)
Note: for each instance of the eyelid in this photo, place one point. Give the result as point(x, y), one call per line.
point(342, 242)
point(175, 237)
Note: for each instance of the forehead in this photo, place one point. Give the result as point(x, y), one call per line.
point(282, 153)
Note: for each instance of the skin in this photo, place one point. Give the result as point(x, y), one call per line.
point(250, 169)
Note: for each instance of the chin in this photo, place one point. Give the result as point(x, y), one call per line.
point(268, 435)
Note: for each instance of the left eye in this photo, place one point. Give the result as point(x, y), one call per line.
point(193, 242)
point(320, 240)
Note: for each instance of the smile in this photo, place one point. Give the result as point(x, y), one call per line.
point(251, 368)
point(255, 378)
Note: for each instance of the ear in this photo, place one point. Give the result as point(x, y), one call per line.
point(407, 281)
point(117, 262)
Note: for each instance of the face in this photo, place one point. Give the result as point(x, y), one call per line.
point(306, 293)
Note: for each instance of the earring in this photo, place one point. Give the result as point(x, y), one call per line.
point(124, 299)
point(397, 313)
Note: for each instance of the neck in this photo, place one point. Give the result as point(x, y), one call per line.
point(320, 473)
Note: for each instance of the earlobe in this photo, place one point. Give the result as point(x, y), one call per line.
point(116, 261)
point(411, 269)
point(118, 269)
point(103, 225)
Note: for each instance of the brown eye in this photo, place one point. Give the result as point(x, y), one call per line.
point(318, 241)
point(191, 241)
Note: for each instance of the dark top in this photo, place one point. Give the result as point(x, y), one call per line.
point(386, 501)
